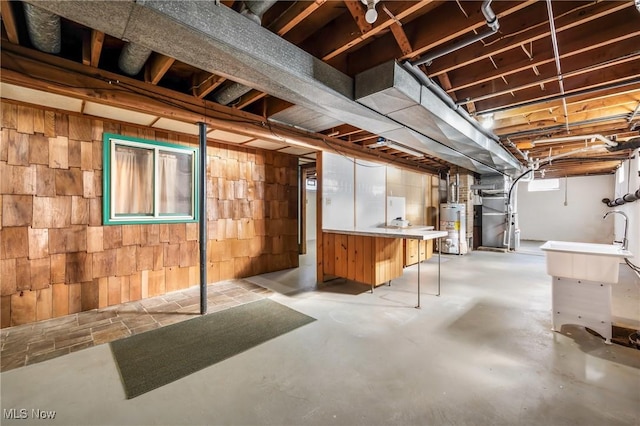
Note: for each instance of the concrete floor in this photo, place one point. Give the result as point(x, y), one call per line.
point(481, 353)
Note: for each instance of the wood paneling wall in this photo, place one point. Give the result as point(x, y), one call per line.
point(56, 258)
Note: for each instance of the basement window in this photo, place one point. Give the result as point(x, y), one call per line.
point(544, 185)
point(148, 181)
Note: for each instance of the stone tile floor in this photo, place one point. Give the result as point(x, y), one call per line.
point(31, 343)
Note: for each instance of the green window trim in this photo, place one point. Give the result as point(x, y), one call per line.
point(109, 217)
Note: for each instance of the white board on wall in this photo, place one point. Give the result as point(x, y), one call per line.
point(338, 192)
point(371, 192)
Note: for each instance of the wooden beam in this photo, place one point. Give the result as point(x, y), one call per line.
point(205, 83)
point(568, 20)
point(338, 43)
point(97, 40)
point(86, 49)
point(9, 21)
point(401, 39)
point(357, 10)
point(298, 12)
point(157, 67)
point(249, 98)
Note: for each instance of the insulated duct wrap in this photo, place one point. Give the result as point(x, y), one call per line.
point(133, 57)
point(44, 29)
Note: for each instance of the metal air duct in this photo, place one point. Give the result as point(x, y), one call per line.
point(44, 29)
point(254, 11)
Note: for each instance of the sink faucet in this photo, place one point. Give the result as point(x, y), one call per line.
point(626, 222)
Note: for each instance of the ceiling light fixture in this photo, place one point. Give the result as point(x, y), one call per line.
point(486, 121)
point(394, 145)
point(371, 14)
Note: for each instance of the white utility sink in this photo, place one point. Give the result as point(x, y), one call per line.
point(581, 285)
point(587, 261)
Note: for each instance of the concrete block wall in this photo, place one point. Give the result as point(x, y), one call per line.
point(56, 258)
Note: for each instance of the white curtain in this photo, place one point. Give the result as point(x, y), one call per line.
point(133, 192)
point(175, 180)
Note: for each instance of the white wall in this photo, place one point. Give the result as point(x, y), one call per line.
point(626, 181)
point(311, 215)
point(543, 215)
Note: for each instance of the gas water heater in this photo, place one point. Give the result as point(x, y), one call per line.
point(453, 220)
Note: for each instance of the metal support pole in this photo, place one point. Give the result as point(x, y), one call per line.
point(418, 306)
point(439, 245)
point(202, 212)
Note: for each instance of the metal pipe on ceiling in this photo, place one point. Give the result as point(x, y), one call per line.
point(492, 22)
point(556, 55)
point(599, 137)
point(44, 29)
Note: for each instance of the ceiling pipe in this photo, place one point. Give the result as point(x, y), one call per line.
point(43, 28)
point(599, 137)
point(556, 55)
point(254, 11)
point(133, 57)
point(492, 22)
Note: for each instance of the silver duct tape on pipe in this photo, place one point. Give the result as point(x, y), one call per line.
point(133, 57)
point(44, 29)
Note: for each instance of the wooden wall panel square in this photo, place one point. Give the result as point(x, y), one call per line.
point(112, 236)
point(79, 267)
point(89, 184)
point(97, 183)
point(15, 242)
point(5, 311)
point(189, 253)
point(39, 149)
point(40, 270)
point(97, 129)
point(246, 229)
point(38, 121)
point(135, 286)
point(62, 124)
point(24, 122)
point(4, 144)
point(125, 289)
point(104, 263)
point(226, 270)
point(114, 288)
point(192, 231)
point(69, 181)
point(144, 259)
point(172, 278)
point(95, 212)
point(95, 239)
point(18, 149)
point(59, 152)
point(65, 240)
point(7, 277)
point(96, 150)
point(213, 272)
point(75, 298)
point(45, 181)
point(23, 307)
point(58, 268)
point(23, 274)
point(80, 128)
point(79, 210)
point(90, 295)
point(131, 235)
point(74, 153)
point(86, 155)
point(60, 300)
point(103, 291)
point(149, 234)
point(44, 304)
point(17, 179)
point(158, 257)
point(49, 124)
point(242, 267)
point(17, 210)
point(60, 212)
point(126, 260)
point(156, 283)
point(177, 233)
point(164, 232)
point(230, 229)
point(9, 115)
point(172, 255)
point(51, 212)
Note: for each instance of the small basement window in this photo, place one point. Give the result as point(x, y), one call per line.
point(148, 181)
point(544, 185)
